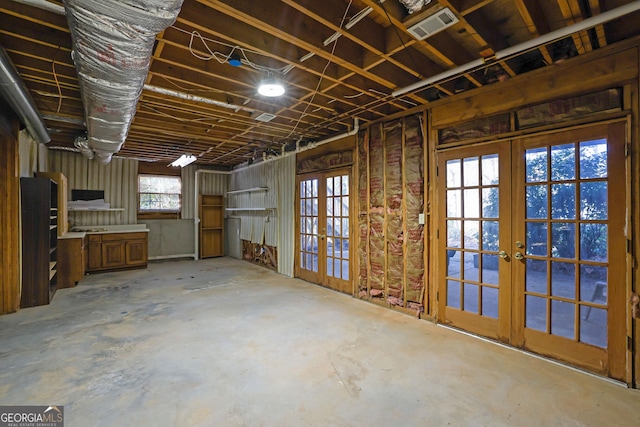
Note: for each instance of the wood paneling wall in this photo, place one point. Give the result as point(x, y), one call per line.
point(9, 223)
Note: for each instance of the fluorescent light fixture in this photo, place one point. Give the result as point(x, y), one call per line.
point(358, 17)
point(184, 160)
point(271, 87)
point(288, 68)
point(307, 56)
point(333, 38)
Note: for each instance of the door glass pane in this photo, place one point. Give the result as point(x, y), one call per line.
point(536, 243)
point(593, 284)
point(471, 234)
point(593, 326)
point(490, 269)
point(490, 202)
point(471, 171)
point(536, 276)
point(593, 200)
point(490, 169)
point(563, 201)
point(490, 302)
point(593, 159)
point(563, 162)
point(536, 313)
point(536, 165)
point(562, 319)
point(453, 293)
point(563, 240)
point(471, 297)
point(454, 235)
point(563, 280)
point(537, 202)
point(593, 242)
point(472, 203)
point(490, 233)
point(454, 259)
point(454, 203)
point(454, 173)
point(471, 266)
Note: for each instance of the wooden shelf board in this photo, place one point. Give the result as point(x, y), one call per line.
point(250, 209)
point(95, 209)
point(248, 190)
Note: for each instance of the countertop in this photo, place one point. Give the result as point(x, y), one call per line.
point(80, 231)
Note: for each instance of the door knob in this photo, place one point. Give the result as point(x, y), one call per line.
point(518, 256)
point(503, 254)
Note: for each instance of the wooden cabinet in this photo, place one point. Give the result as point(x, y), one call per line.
point(63, 194)
point(115, 251)
point(71, 261)
point(211, 226)
point(39, 198)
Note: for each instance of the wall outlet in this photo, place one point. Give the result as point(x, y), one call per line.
point(421, 219)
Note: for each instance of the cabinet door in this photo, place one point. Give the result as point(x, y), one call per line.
point(113, 254)
point(135, 252)
point(94, 256)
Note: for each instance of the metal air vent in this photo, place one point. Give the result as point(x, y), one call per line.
point(435, 23)
point(265, 117)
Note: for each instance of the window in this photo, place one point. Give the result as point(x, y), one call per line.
point(159, 194)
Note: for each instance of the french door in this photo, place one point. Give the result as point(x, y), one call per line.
point(532, 246)
point(324, 233)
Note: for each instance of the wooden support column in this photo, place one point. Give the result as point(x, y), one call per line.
point(9, 221)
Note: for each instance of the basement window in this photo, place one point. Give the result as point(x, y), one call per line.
point(159, 196)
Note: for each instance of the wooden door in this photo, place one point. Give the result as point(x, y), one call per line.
point(113, 254)
point(473, 234)
point(135, 252)
point(532, 250)
point(570, 247)
point(324, 229)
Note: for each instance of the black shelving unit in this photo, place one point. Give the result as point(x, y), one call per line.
point(39, 201)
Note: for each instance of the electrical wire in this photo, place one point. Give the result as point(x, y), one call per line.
point(224, 58)
point(55, 76)
point(324, 71)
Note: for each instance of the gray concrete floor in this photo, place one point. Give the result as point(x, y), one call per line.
point(221, 342)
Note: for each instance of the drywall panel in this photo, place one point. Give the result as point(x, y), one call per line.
point(170, 238)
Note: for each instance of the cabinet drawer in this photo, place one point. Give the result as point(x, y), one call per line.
point(95, 237)
point(123, 236)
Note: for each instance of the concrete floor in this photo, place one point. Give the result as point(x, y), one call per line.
point(224, 343)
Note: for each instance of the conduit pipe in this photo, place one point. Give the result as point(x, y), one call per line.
point(13, 90)
point(522, 47)
point(196, 210)
point(196, 98)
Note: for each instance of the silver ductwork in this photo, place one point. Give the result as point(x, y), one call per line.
point(112, 47)
point(13, 90)
point(414, 5)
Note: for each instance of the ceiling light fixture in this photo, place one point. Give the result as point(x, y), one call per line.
point(271, 87)
point(358, 17)
point(332, 38)
point(184, 160)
